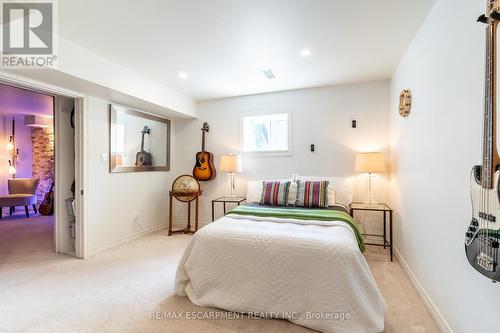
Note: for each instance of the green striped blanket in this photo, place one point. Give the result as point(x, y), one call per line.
point(301, 214)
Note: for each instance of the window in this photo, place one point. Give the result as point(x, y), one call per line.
point(266, 133)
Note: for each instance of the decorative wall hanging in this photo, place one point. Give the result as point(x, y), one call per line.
point(405, 103)
point(138, 141)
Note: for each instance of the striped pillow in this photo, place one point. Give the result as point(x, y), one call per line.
point(274, 193)
point(312, 194)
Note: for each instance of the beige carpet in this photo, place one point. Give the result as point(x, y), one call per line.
point(116, 291)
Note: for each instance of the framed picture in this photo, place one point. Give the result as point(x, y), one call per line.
point(138, 141)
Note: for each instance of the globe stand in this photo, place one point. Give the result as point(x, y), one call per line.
point(184, 189)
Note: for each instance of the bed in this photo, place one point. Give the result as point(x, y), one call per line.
point(303, 265)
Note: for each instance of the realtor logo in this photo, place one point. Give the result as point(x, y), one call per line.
point(27, 33)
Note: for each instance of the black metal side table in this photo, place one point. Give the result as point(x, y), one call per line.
point(377, 207)
point(224, 201)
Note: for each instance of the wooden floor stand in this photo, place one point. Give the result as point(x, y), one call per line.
point(187, 229)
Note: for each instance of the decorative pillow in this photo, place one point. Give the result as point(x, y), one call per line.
point(332, 186)
point(275, 193)
point(312, 194)
point(254, 189)
point(292, 193)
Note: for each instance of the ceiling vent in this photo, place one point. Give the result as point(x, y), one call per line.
point(269, 74)
point(38, 121)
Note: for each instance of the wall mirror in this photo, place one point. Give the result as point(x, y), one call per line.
point(139, 141)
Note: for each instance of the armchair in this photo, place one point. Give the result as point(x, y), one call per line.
point(21, 193)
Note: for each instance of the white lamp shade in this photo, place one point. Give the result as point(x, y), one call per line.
point(230, 163)
point(370, 162)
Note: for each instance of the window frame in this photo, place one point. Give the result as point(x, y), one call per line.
point(266, 113)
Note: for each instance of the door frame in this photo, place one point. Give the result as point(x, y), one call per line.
point(81, 248)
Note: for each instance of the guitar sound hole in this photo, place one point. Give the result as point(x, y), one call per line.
point(202, 160)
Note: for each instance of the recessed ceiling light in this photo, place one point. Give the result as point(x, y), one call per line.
point(183, 75)
point(269, 74)
point(305, 53)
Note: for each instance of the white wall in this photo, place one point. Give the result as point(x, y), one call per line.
point(119, 205)
point(320, 116)
point(434, 150)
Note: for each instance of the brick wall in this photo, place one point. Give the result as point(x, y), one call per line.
point(43, 159)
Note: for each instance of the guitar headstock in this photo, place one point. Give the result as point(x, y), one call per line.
point(493, 9)
point(146, 130)
point(205, 127)
point(492, 12)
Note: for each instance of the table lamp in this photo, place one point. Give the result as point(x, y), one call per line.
point(230, 164)
point(370, 163)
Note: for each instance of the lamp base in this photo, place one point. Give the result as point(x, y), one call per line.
point(231, 184)
point(371, 198)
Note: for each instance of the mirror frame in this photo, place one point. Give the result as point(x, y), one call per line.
point(113, 168)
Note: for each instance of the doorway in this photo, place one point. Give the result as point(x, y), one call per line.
point(38, 128)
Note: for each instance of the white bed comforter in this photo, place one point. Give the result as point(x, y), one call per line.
point(309, 272)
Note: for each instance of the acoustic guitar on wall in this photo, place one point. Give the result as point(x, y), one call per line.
point(143, 158)
point(204, 168)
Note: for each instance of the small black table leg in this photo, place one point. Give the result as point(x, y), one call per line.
point(213, 207)
point(224, 207)
point(385, 227)
point(390, 231)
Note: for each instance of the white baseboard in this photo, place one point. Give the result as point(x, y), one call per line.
point(429, 304)
point(105, 247)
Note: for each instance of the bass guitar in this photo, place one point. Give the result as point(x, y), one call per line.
point(143, 158)
point(47, 205)
point(483, 235)
point(204, 168)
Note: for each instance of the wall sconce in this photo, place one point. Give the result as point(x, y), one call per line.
point(12, 169)
point(11, 146)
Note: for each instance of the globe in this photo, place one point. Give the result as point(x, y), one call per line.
point(185, 188)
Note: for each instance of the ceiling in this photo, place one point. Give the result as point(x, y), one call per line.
point(224, 45)
point(20, 102)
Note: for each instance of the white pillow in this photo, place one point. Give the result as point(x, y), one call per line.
point(344, 189)
point(254, 190)
point(331, 186)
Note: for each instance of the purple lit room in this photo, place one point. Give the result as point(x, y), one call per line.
point(27, 173)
